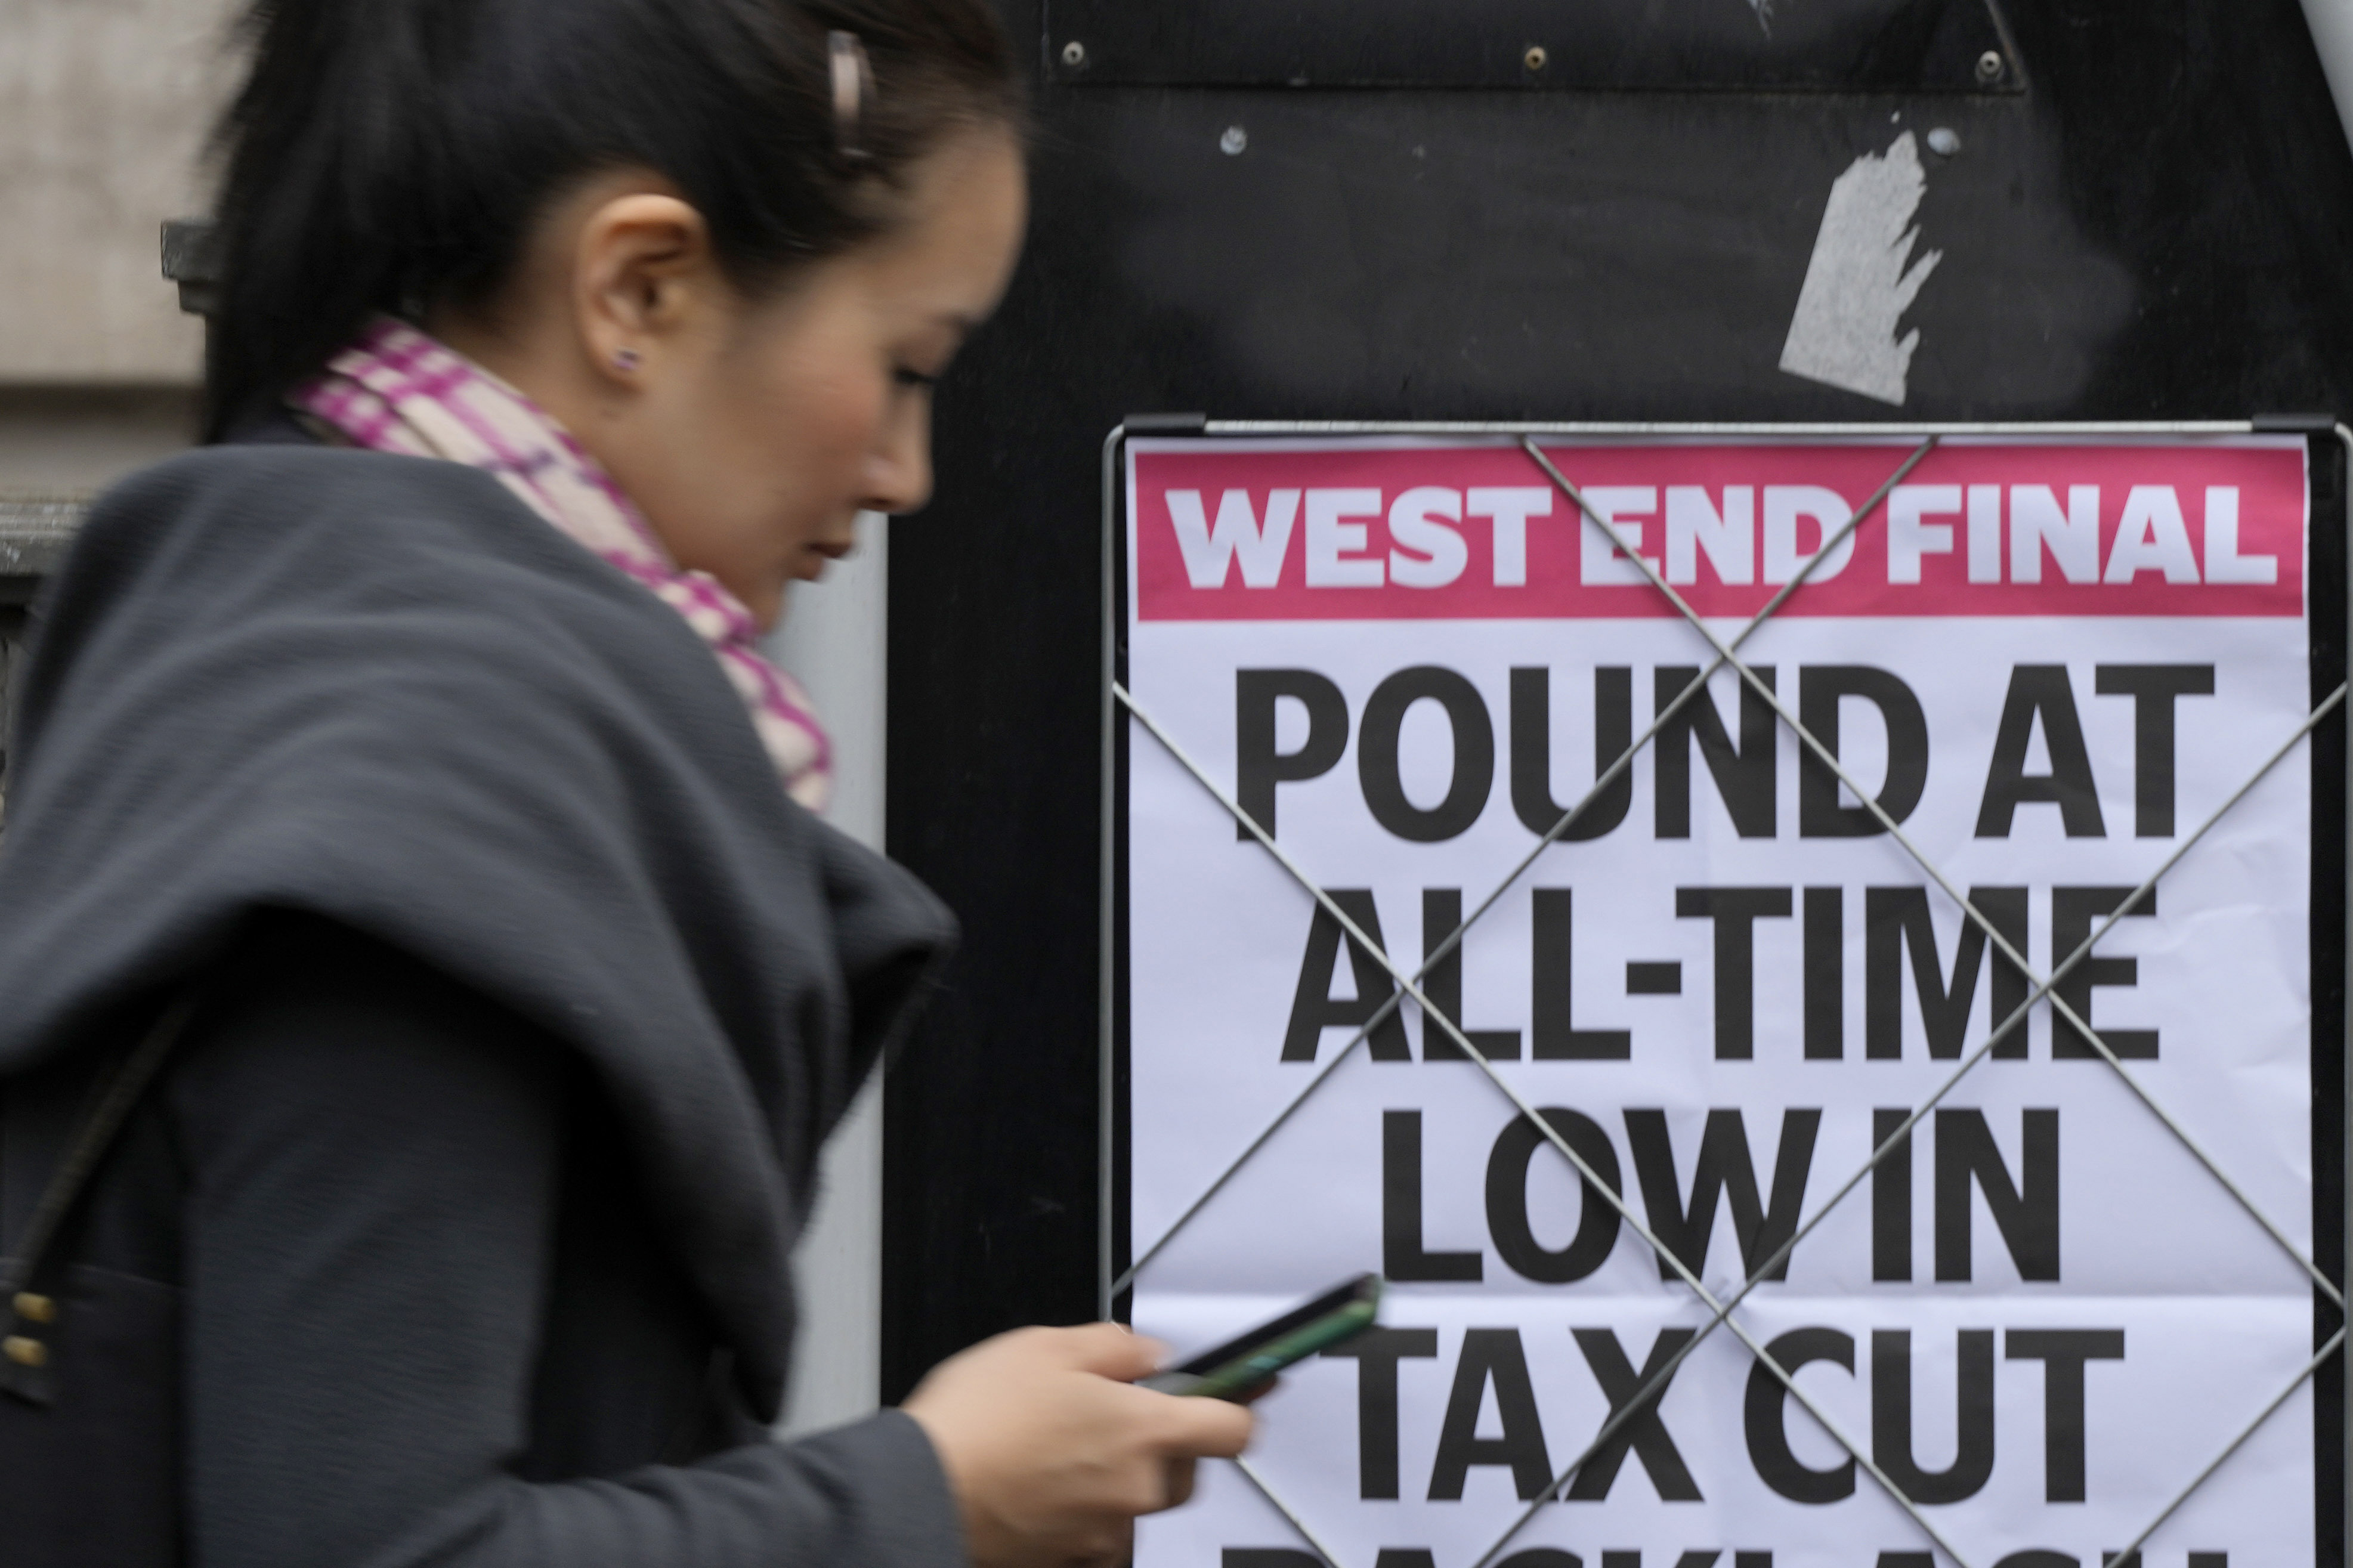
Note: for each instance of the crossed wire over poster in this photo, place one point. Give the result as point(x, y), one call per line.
point(1409, 987)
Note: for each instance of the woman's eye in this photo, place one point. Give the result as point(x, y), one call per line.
point(908, 377)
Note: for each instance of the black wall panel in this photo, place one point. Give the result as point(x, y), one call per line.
point(2155, 220)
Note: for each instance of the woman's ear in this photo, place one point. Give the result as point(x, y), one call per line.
point(642, 270)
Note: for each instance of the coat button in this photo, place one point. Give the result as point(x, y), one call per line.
point(35, 1309)
point(25, 1351)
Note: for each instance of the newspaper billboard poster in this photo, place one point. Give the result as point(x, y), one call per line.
point(2050, 662)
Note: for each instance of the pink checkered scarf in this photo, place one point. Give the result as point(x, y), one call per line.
point(398, 389)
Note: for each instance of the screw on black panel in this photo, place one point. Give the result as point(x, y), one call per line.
point(1074, 54)
point(1234, 143)
point(1945, 141)
point(1535, 59)
point(1990, 64)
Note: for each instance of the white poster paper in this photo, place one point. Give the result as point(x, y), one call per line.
point(2051, 662)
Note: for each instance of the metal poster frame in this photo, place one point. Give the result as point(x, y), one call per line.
point(2328, 588)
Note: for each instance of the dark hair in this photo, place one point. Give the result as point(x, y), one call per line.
point(389, 155)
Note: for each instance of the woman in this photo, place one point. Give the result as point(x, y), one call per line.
point(403, 773)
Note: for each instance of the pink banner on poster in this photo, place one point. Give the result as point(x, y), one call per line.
point(1478, 532)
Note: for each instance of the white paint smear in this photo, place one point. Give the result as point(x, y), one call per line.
point(1862, 279)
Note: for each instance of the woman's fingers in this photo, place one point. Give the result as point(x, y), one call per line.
point(1107, 1350)
point(1180, 1482)
point(1209, 1428)
point(1113, 1549)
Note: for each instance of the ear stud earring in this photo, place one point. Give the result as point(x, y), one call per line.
point(627, 359)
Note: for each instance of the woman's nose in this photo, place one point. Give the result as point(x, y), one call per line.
point(898, 470)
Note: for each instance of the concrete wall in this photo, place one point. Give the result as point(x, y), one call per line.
point(104, 106)
point(67, 440)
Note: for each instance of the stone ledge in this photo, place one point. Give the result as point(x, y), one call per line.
point(35, 530)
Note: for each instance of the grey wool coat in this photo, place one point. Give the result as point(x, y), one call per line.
point(459, 1228)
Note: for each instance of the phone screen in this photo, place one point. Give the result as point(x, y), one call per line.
point(1244, 1362)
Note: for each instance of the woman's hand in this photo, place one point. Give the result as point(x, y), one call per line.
point(1051, 1450)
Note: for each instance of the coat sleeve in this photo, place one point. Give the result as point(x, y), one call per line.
point(373, 1164)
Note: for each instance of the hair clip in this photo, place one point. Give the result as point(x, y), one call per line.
point(853, 86)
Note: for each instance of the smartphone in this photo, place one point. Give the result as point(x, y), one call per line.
point(1242, 1365)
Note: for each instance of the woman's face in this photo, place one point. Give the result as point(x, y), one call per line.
point(753, 431)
